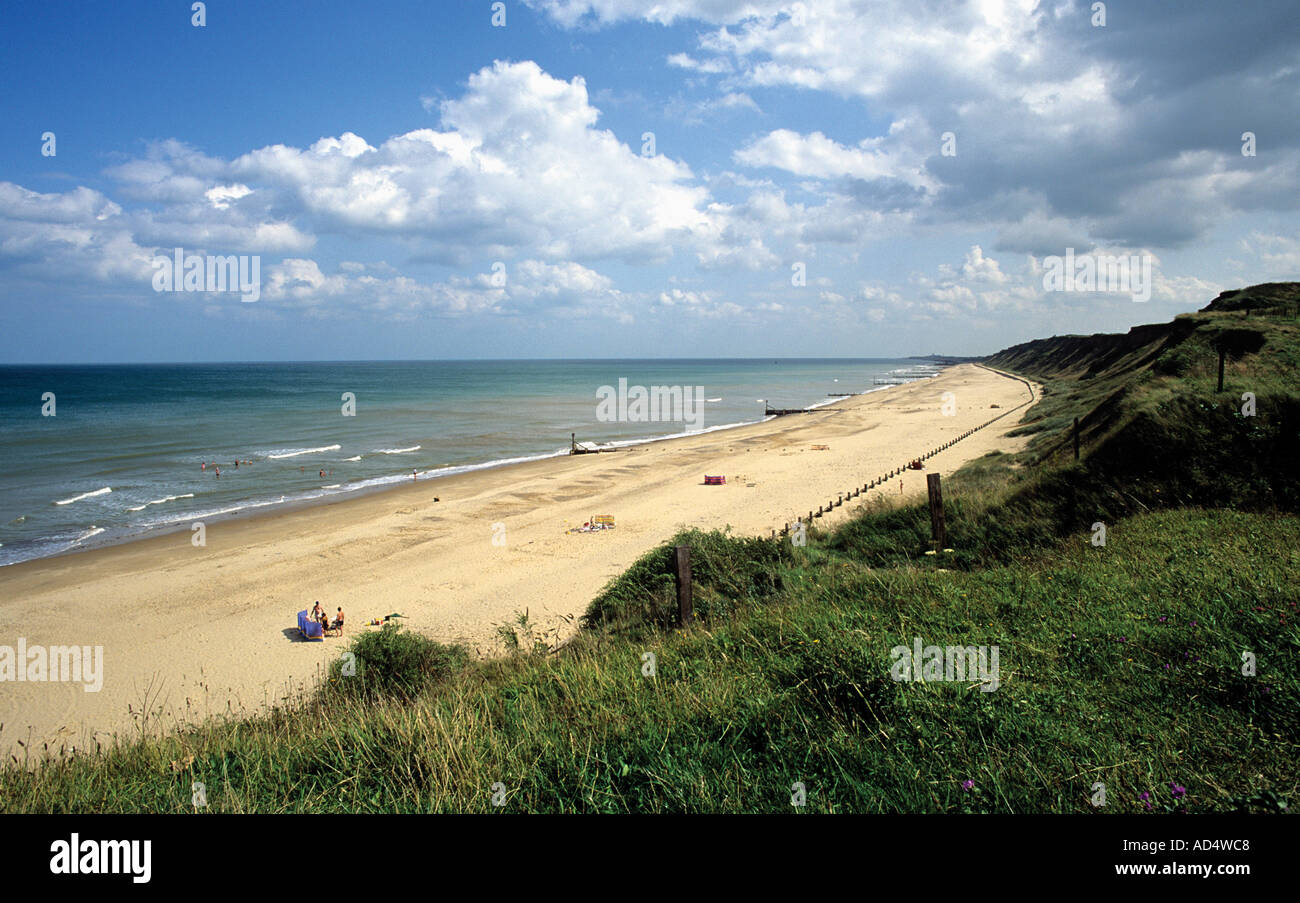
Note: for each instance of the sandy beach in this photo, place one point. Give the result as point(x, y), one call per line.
point(189, 632)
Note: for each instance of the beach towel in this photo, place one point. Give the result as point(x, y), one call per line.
point(309, 627)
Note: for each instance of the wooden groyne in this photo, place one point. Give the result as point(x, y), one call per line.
point(881, 480)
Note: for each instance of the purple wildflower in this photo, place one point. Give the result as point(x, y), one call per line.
point(967, 785)
point(1178, 791)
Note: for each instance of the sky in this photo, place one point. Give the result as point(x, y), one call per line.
point(632, 178)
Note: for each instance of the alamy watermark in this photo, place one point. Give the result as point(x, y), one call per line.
point(638, 404)
point(209, 273)
point(946, 663)
point(102, 857)
point(1099, 273)
point(53, 664)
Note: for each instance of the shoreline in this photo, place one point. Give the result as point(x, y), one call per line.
point(254, 508)
point(191, 632)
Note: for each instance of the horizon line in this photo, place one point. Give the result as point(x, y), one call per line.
point(482, 360)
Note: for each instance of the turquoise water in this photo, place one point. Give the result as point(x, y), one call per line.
point(123, 454)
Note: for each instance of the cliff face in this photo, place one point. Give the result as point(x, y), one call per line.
point(1113, 354)
point(1201, 410)
point(1088, 356)
point(1273, 296)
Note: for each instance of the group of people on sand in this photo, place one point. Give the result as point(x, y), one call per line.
point(319, 614)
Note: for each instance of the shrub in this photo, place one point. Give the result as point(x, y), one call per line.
point(725, 571)
point(394, 662)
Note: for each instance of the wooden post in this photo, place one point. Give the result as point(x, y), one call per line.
point(1076, 438)
point(1222, 351)
point(685, 610)
point(937, 525)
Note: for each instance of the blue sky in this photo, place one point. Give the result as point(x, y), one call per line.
point(416, 182)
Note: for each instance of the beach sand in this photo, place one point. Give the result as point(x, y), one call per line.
point(191, 632)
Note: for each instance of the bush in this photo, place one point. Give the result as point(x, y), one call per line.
point(394, 662)
point(726, 571)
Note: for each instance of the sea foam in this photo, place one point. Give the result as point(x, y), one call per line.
point(293, 453)
point(170, 498)
point(85, 495)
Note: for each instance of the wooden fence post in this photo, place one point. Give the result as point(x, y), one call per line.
point(1222, 352)
point(685, 610)
point(1076, 438)
point(937, 525)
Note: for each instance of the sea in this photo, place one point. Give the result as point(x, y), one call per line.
point(99, 454)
